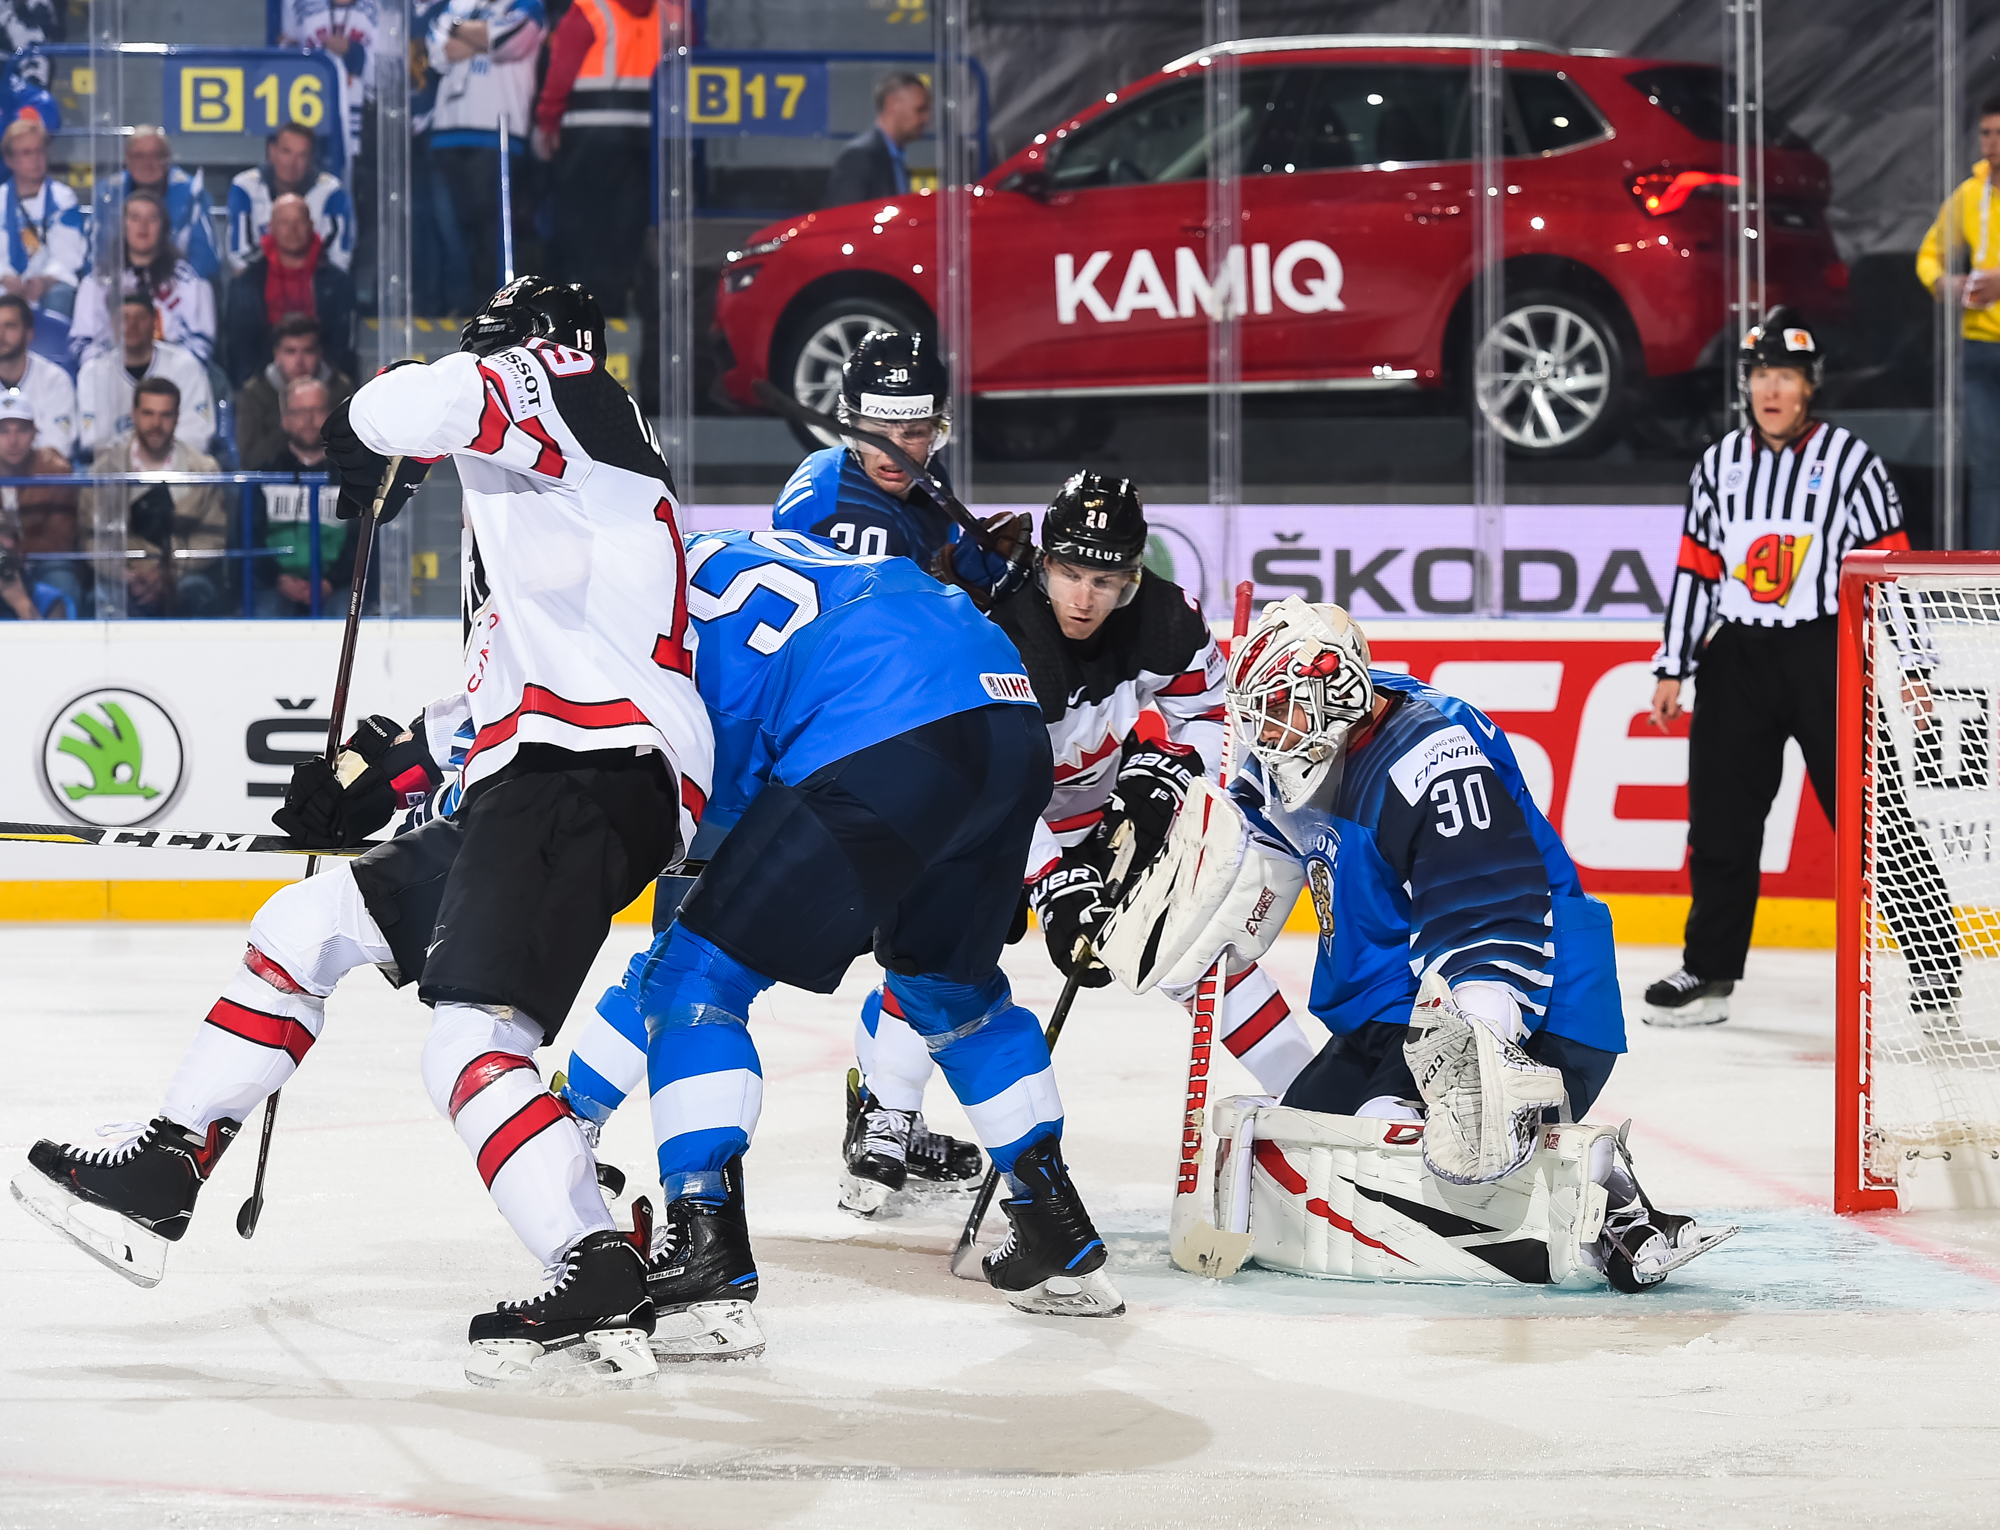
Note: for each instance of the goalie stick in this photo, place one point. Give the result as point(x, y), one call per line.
point(1193, 1241)
point(965, 1258)
point(350, 637)
point(792, 409)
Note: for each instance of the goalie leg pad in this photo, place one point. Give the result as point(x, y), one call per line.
point(1216, 886)
point(1350, 1197)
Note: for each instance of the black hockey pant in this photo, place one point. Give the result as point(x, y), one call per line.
point(1759, 686)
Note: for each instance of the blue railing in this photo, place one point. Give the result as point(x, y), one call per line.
point(244, 484)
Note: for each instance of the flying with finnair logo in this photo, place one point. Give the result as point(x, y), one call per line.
point(1443, 752)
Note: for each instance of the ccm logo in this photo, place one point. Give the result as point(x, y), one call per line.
point(1403, 1133)
point(1262, 911)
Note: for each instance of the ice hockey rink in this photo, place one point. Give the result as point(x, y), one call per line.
point(1814, 1371)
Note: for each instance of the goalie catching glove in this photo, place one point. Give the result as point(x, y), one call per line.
point(382, 769)
point(1069, 902)
point(1483, 1095)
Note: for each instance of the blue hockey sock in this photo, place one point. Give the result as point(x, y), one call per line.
point(607, 1060)
point(992, 1054)
point(701, 1066)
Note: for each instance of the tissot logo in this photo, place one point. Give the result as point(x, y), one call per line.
point(112, 758)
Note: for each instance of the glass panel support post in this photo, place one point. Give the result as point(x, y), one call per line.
point(394, 263)
point(1222, 105)
point(955, 120)
point(1489, 303)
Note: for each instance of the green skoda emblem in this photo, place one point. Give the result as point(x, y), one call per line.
point(112, 758)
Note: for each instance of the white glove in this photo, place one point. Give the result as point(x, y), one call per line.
point(1484, 1096)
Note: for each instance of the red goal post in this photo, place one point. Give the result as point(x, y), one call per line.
point(1917, 1074)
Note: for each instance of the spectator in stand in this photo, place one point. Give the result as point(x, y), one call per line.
point(593, 121)
point(183, 303)
point(872, 165)
point(1966, 217)
point(486, 51)
point(290, 277)
point(149, 166)
point(43, 248)
point(24, 595)
point(295, 354)
point(23, 23)
point(105, 386)
point(345, 29)
point(43, 520)
point(290, 168)
point(45, 385)
point(284, 513)
point(160, 520)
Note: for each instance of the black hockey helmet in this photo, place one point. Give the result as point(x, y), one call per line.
point(1095, 522)
point(532, 308)
point(1784, 339)
point(893, 377)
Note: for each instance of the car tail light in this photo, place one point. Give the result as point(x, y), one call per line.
point(1836, 276)
point(1663, 192)
point(736, 278)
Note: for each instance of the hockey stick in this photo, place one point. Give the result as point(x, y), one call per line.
point(965, 1258)
point(1195, 1243)
point(169, 839)
point(792, 409)
point(350, 637)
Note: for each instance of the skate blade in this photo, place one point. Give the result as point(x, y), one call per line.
point(1087, 1296)
point(1707, 1238)
point(863, 1197)
point(116, 1242)
point(1710, 1011)
point(707, 1331)
point(613, 1357)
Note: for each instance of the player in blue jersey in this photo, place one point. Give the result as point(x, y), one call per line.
point(1467, 979)
point(879, 748)
point(854, 496)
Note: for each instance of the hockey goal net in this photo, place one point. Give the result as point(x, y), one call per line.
point(1917, 1113)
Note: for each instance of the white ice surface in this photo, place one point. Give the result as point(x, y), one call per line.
point(1814, 1371)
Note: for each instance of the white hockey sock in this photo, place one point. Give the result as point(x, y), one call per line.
point(1256, 1025)
point(252, 1042)
point(896, 1065)
point(479, 1067)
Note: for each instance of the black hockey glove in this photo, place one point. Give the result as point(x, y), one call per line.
point(374, 736)
point(1152, 779)
point(321, 813)
point(1069, 901)
point(361, 469)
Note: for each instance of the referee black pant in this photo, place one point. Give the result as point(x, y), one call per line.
point(1757, 687)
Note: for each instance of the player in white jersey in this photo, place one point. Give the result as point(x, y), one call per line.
point(588, 766)
point(1103, 642)
point(1773, 508)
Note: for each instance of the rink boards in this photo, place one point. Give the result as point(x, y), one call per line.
point(189, 725)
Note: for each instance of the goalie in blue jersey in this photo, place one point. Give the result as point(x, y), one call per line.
point(1467, 979)
point(880, 751)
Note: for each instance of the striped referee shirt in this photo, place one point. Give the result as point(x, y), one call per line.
point(1766, 531)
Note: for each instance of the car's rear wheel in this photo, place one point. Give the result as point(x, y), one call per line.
point(1550, 376)
point(807, 362)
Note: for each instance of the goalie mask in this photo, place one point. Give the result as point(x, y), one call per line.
point(895, 379)
point(1298, 684)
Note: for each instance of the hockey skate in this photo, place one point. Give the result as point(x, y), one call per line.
point(597, 1314)
point(1683, 1000)
point(888, 1151)
point(1642, 1245)
point(703, 1278)
point(1052, 1261)
point(124, 1205)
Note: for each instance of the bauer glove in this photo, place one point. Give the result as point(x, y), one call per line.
point(1151, 782)
point(1069, 901)
point(361, 469)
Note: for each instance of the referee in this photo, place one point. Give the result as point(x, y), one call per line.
point(1772, 511)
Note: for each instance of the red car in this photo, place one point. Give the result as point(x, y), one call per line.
point(1354, 262)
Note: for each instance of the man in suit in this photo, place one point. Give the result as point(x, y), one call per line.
point(872, 165)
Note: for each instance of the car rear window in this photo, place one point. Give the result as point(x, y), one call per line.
point(1554, 113)
point(1162, 136)
point(1695, 95)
